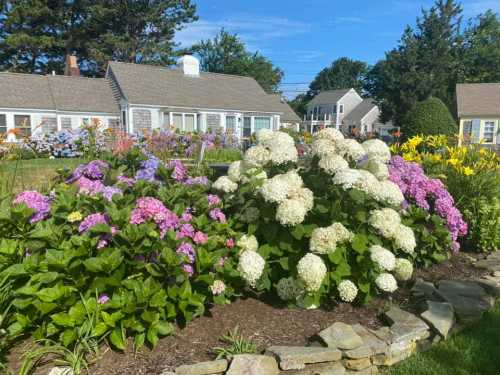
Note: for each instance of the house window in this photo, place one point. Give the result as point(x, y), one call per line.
point(85, 121)
point(489, 131)
point(114, 124)
point(262, 123)
point(3, 124)
point(189, 123)
point(49, 125)
point(334, 108)
point(341, 108)
point(66, 123)
point(247, 126)
point(230, 124)
point(467, 129)
point(23, 123)
point(177, 121)
point(213, 123)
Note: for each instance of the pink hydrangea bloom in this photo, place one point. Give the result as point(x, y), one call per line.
point(230, 243)
point(200, 238)
point(217, 214)
point(213, 200)
point(149, 208)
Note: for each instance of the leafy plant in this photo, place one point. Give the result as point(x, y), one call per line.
point(428, 117)
point(236, 344)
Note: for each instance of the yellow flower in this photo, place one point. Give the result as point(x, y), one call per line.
point(74, 216)
point(415, 141)
point(454, 161)
point(467, 171)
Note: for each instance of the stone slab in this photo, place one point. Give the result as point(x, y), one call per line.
point(342, 336)
point(372, 370)
point(203, 368)
point(296, 357)
point(326, 368)
point(440, 316)
point(376, 345)
point(250, 364)
point(357, 364)
point(491, 284)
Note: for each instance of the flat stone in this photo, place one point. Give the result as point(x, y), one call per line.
point(203, 368)
point(491, 284)
point(424, 289)
point(468, 298)
point(397, 353)
point(496, 273)
point(61, 370)
point(342, 336)
point(494, 255)
point(296, 357)
point(383, 333)
point(251, 364)
point(372, 370)
point(357, 364)
point(397, 316)
point(440, 316)
point(363, 351)
point(326, 368)
point(376, 345)
point(492, 264)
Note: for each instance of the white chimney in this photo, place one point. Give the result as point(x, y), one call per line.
point(189, 65)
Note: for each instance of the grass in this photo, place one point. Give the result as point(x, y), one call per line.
point(33, 174)
point(474, 351)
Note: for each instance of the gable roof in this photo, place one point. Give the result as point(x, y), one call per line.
point(62, 93)
point(478, 99)
point(329, 97)
point(289, 114)
point(165, 87)
point(360, 111)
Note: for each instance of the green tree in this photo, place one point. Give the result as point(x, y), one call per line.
point(343, 73)
point(429, 117)
point(226, 53)
point(299, 104)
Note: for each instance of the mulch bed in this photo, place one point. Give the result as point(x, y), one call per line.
point(263, 321)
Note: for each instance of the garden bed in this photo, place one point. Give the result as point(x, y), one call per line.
point(266, 322)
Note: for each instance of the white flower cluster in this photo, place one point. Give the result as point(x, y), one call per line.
point(311, 271)
point(377, 150)
point(248, 243)
point(291, 212)
point(386, 282)
point(289, 289)
point(388, 223)
point(225, 184)
point(250, 266)
point(333, 163)
point(325, 240)
point(351, 149)
point(382, 258)
point(403, 270)
point(347, 290)
point(325, 142)
point(257, 156)
point(280, 147)
point(218, 287)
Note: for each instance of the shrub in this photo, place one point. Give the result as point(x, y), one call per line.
point(428, 117)
point(329, 226)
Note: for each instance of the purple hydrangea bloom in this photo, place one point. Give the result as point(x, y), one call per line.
point(200, 180)
point(149, 208)
point(185, 230)
point(37, 202)
point(187, 250)
point(126, 180)
point(429, 194)
point(109, 191)
point(179, 172)
point(91, 221)
point(103, 298)
point(93, 170)
point(213, 200)
point(217, 214)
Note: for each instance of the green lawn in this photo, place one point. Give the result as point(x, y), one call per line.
point(34, 174)
point(475, 351)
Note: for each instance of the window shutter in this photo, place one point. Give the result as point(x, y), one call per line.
point(476, 130)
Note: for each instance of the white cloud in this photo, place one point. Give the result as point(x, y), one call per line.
point(349, 20)
point(254, 31)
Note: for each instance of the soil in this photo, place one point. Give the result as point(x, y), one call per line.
point(264, 322)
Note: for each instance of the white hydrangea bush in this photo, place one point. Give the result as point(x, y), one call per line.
point(322, 227)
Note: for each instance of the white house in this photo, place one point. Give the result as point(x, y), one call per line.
point(343, 109)
point(137, 97)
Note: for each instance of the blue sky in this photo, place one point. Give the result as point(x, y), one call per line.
point(304, 36)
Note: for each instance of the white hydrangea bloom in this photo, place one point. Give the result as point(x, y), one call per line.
point(331, 134)
point(248, 243)
point(250, 266)
point(225, 184)
point(350, 149)
point(305, 196)
point(275, 189)
point(325, 240)
point(379, 169)
point(382, 257)
point(323, 147)
point(289, 289)
point(291, 212)
point(348, 178)
point(377, 150)
point(218, 287)
point(264, 135)
point(254, 174)
point(333, 163)
point(390, 193)
point(257, 156)
point(293, 180)
point(279, 139)
point(404, 239)
point(284, 154)
point(386, 221)
point(386, 282)
point(347, 290)
point(403, 270)
point(235, 171)
point(311, 271)
point(368, 183)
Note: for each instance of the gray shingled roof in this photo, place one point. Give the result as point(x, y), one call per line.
point(478, 99)
point(289, 114)
point(328, 97)
point(63, 93)
point(360, 111)
point(160, 86)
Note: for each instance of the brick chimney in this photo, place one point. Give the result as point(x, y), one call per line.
point(71, 68)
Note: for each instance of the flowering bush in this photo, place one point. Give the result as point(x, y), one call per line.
point(134, 240)
point(329, 226)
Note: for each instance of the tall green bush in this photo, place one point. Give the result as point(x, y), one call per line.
point(429, 117)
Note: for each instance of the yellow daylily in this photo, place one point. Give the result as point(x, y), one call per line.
point(467, 171)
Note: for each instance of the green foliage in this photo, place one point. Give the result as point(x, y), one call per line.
point(429, 117)
point(236, 343)
point(226, 53)
point(483, 217)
